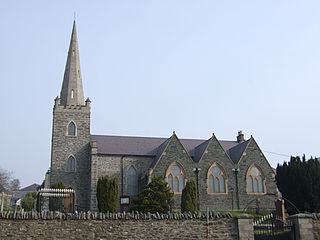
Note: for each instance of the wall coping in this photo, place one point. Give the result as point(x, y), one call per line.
point(49, 215)
point(301, 215)
point(244, 216)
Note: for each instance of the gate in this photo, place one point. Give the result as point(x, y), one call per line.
point(272, 228)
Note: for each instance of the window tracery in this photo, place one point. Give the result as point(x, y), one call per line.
point(216, 179)
point(176, 178)
point(255, 180)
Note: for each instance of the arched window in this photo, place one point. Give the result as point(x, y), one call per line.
point(71, 164)
point(255, 180)
point(71, 129)
point(176, 177)
point(216, 179)
point(132, 182)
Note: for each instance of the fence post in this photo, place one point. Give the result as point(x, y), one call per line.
point(303, 226)
point(245, 227)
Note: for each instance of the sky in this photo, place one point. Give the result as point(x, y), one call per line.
point(154, 67)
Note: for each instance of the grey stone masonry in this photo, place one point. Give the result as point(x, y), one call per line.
point(245, 227)
point(214, 154)
point(175, 152)
point(116, 165)
point(64, 146)
point(303, 226)
point(254, 156)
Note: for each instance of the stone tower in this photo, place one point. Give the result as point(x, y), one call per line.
point(71, 131)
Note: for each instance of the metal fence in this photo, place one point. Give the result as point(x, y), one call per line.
point(270, 227)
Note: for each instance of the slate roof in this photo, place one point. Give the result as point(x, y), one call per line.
point(32, 187)
point(153, 147)
point(236, 152)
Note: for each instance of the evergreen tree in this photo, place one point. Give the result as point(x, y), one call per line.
point(108, 194)
point(155, 197)
point(189, 198)
point(29, 200)
point(55, 203)
point(299, 182)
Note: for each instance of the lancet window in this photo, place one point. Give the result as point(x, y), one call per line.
point(216, 179)
point(176, 178)
point(255, 180)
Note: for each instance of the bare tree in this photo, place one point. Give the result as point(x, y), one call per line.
point(6, 182)
point(14, 185)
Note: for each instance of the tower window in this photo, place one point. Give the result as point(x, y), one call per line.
point(71, 129)
point(71, 164)
point(72, 94)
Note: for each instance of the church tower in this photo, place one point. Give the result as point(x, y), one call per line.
point(71, 131)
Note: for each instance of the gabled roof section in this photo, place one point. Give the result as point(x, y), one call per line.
point(32, 187)
point(124, 145)
point(236, 152)
point(154, 147)
point(160, 150)
point(199, 150)
point(72, 91)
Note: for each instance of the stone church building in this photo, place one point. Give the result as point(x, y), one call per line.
point(231, 174)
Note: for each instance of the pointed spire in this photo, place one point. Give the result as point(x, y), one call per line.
point(72, 91)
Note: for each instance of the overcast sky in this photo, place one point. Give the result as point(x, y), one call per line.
point(153, 67)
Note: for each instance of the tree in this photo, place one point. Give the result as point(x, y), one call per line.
point(29, 201)
point(155, 197)
point(299, 182)
point(14, 185)
point(55, 204)
point(189, 198)
point(108, 194)
point(5, 178)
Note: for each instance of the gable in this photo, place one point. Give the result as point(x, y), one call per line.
point(235, 153)
point(174, 151)
point(214, 150)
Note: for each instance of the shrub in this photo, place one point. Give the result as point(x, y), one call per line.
point(155, 197)
point(189, 197)
point(108, 194)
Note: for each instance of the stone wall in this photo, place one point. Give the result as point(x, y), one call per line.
point(117, 226)
point(115, 165)
point(63, 146)
point(253, 155)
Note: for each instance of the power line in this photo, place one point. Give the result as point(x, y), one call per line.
point(279, 154)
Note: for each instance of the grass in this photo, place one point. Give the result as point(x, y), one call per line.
point(250, 212)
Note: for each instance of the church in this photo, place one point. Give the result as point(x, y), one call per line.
point(232, 174)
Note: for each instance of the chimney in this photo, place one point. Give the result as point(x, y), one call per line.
point(240, 137)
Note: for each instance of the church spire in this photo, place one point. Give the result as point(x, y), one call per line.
point(72, 91)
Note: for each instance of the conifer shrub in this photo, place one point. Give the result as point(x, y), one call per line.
point(155, 197)
point(108, 194)
point(189, 198)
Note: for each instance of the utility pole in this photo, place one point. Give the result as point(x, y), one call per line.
point(196, 171)
point(236, 171)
